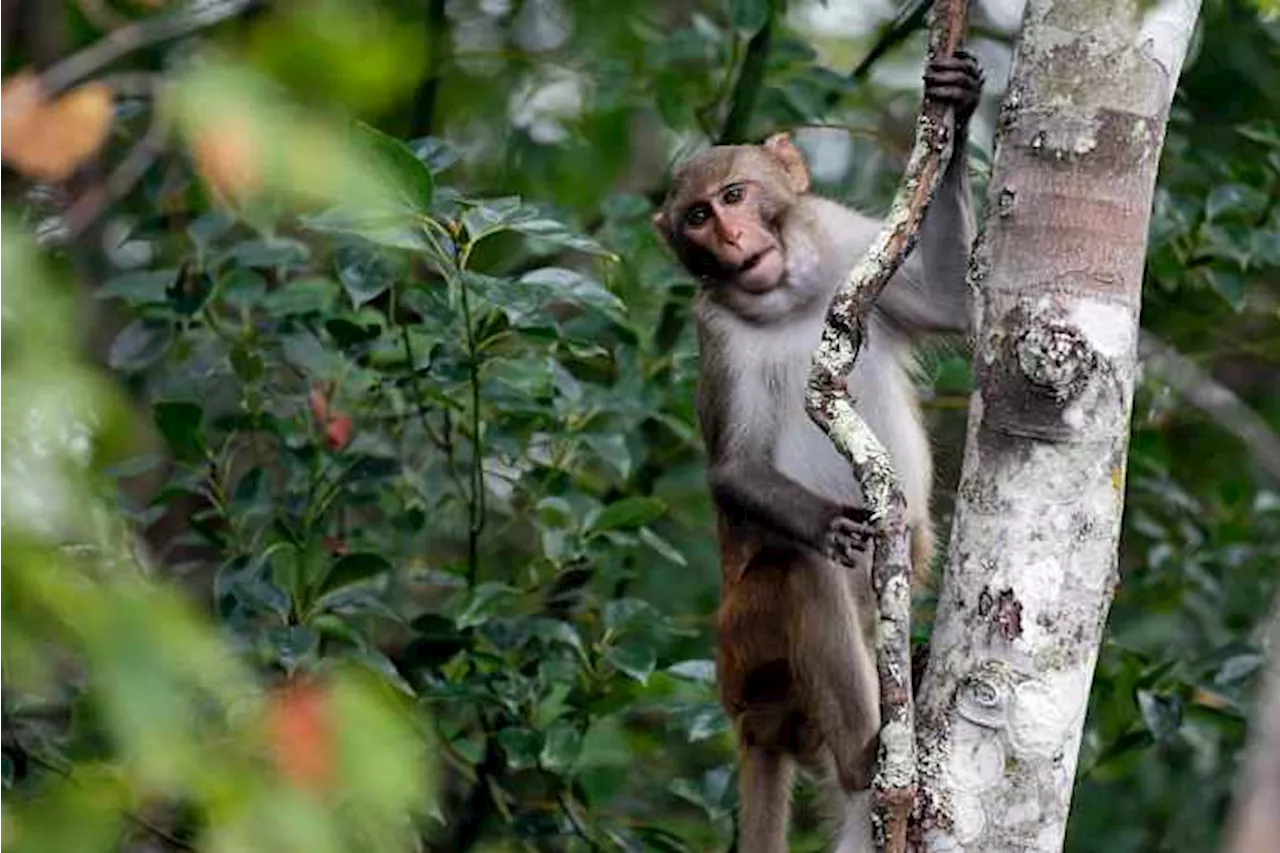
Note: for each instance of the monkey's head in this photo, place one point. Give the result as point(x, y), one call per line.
point(724, 214)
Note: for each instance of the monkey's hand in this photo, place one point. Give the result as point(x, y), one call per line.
point(956, 80)
point(848, 535)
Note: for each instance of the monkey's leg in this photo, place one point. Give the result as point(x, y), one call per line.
point(764, 800)
point(849, 812)
point(834, 664)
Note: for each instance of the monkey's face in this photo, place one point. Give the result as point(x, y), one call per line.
point(725, 213)
point(729, 229)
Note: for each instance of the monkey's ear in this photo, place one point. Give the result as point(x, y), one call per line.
point(662, 222)
point(790, 159)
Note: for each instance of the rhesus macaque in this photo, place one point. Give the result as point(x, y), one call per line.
point(795, 656)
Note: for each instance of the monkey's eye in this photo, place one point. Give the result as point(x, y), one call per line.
point(733, 193)
point(697, 215)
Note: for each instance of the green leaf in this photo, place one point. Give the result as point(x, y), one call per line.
point(1233, 200)
point(140, 288)
point(662, 546)
point(1162, 714)
point(140, 344)
point(243, 288)
point(353, 568)
point(407, 178)
point(1228, 285)
point(748, 15)
point(364, 274)
point(613, 450)
point(521, 745)
point(635, 657)
point(485, 601)
point(392, 230)
point(700, 670)
point(302, 296)
point(436, 640)
point(623, 613)
point(181, 422)
point(436, 154)
point(490, 216)
point(275, 252)
point(700, 721)
point(553, 630)
point(292, 645)
point(562, 747)
point(628, 514)
point(247, 364)
point(1238, 667)
point(573, 286)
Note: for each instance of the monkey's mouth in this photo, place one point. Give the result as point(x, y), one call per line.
point(754, 261)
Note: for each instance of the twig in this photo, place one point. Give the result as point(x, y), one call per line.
point(131, 37)
point(475, 506)
point(831, 407)
point(94, 202)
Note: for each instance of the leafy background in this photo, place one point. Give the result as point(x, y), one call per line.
point(355, 495)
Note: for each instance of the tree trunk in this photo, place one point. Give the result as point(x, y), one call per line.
point(1057, 283)
point(1255, 818)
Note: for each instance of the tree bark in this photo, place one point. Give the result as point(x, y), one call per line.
point(1255, 818)
point(1057, 284)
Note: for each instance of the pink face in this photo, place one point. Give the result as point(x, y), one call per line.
point(728, 225)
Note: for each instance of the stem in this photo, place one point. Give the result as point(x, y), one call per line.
point(476, 505)
point(830, 405)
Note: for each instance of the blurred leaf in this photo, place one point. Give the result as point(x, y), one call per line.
point(562, 748)
point(748, 15)
point(635, 657)
point(139, 288)
point(353, 568)
point(703, 671)
point(140, 344)
point(303, 296)
point(1162, 714)
point(628, 514)
point(522, 747)
point(181, 423)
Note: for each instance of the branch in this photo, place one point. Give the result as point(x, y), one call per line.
point(1210, 396)
point(126, 39)
point(831, 407)
point(93, 203)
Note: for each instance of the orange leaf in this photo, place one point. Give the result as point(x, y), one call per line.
point(228, 157)
point(49, 140)
point(338, 431)
point(300, 732)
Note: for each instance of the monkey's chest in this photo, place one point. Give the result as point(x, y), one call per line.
point(801, 450)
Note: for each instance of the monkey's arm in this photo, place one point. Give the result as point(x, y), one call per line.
point(929, 294)
point(747, 486)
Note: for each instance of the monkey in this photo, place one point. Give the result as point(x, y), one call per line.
point(795, 628)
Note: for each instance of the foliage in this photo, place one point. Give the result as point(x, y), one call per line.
point(395, 406)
